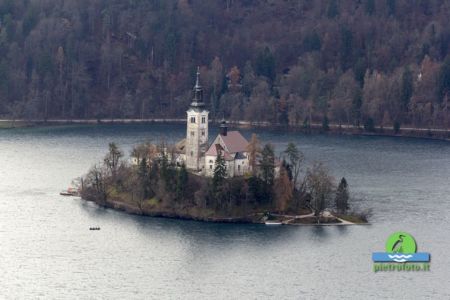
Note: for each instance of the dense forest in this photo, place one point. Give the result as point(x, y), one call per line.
point(286, 61)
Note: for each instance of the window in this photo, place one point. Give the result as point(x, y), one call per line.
point(203, 133)
point(192, 119)
point(192, 133)
point(211, 161)
point(239, 168)
point(210, 167)
point(192, 153)
point(203, 120)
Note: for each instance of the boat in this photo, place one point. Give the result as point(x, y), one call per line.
point(273, 223)
point(71, 192)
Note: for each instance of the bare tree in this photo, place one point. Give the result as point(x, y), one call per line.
point(320, 185)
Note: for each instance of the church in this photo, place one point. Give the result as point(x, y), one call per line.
point(195, 151)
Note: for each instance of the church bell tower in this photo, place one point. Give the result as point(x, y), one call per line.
point(197, 130)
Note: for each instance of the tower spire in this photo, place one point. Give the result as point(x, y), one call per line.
point(197, 82)
point(197, 102)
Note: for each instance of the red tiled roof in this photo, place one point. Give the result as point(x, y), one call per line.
point(234, 142)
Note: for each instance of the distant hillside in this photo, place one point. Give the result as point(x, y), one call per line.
point(352, 62)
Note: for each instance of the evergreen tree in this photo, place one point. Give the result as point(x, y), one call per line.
point(325, 123)
point(268, 170)
point(168, 174)
point(182, 182)
point(406, 89)
point(346, 48)
point(332, 9)
point(265, 64)
point(444, 79)
point(396, 127)
point(342, 196)
point(312, 42)
point(220, 172)
point(392, 7)
point(144, 178)
point(370, 7)
point(288, 169)
point(369, 125)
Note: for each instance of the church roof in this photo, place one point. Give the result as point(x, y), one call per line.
point(215, 148)
point(180, 147)
point(234, 142)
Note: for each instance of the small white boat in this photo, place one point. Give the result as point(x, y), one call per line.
point(273, 223)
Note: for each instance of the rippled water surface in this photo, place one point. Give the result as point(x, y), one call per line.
point(47, 250)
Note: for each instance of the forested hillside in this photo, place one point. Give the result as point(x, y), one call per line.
point(286, 61)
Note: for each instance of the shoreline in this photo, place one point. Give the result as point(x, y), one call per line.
point(334, 129)
point(255, 218)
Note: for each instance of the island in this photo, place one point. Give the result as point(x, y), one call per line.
point(230, 180)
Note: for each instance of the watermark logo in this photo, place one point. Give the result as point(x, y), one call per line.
point(401, 254)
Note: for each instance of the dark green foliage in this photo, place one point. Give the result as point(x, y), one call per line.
point(265, 64)
point(342, 196)
point(168, 173)
point(288, 169)
point(332, 9)
point(145, 176)
point(30, 20)
point(406, 89)
point(267, 166)
point(444, 79)
point(396, 127)
point(4, 80)
point(392, 7)
point(369, 125)
point(325, 123)
point(295, 161)
point(346, 48)
point(182, 182)
point(359, 69)
point(171, 46)
point(312, 42)
point(370, 7)
point(220, 172)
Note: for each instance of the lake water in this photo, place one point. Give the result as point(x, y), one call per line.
point(47, 250)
